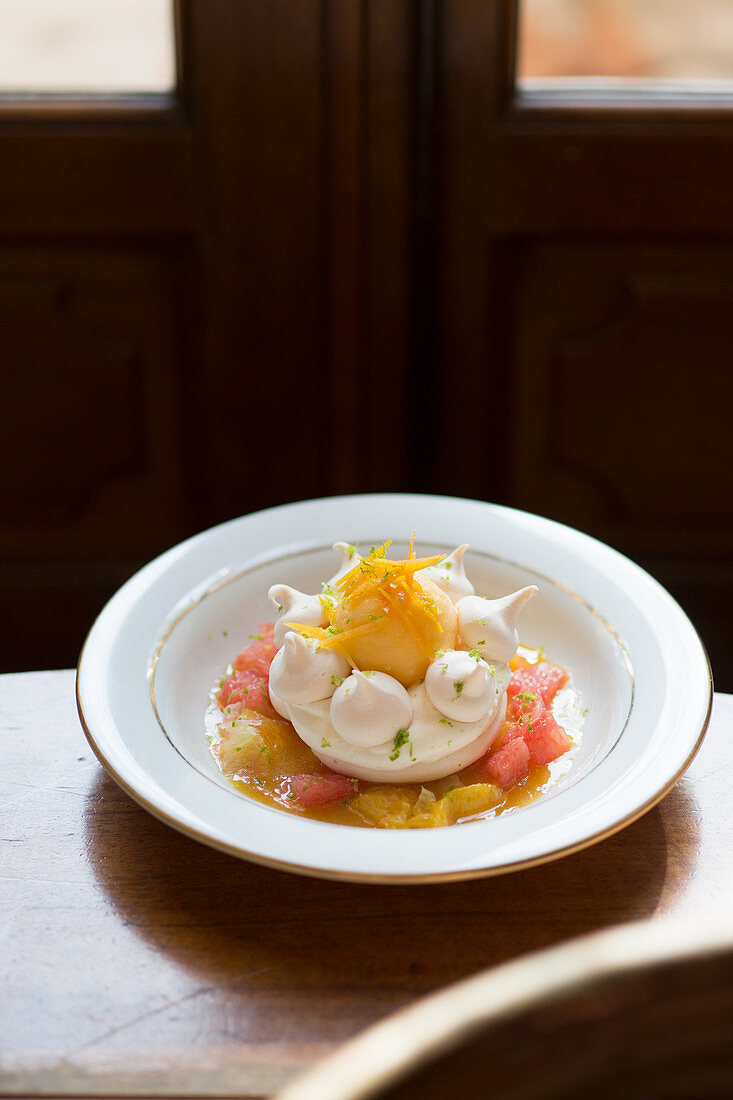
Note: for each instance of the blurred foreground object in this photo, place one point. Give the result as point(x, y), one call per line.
point(641, 1010)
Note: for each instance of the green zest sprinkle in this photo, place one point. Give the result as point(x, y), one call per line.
point(325, 744)
point(527, 697)
point(445, 722)
point(458, 685)
point(402, 737)
point(337, 681)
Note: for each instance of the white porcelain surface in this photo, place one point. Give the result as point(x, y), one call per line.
point(634, 657)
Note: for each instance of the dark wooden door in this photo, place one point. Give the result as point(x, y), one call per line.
point(347, 255)
point(199, 295)
point(583, 340)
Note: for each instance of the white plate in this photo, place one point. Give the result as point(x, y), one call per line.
point(162, 641)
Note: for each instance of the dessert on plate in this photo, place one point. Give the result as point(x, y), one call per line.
point(395, 697)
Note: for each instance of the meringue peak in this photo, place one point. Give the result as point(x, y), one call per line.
point(492, 624)
point(369, 708)
point(302, 672)
point(449, 574)
point(294, 606)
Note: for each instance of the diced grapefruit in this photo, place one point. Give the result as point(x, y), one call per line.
point(509, 763)
point(249, 687)
point(546, 739)
point(259, 654)
point(525, 707)
point(510, 733)
point(543, 679)
point(314, 789)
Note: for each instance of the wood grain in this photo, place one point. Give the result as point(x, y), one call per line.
point(136, 961)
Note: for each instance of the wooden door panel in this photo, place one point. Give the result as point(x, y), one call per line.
point(94, 170)
point(92, 446)
point(636, 173)
point(623, 385)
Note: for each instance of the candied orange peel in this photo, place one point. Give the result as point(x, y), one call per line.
point(392, 582)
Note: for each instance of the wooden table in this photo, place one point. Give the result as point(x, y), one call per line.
point(137, 962)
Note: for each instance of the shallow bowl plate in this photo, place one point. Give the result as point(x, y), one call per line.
point(156, 649)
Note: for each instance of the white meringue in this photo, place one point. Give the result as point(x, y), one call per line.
point(491, 625)
point(369, 708)
point(350, 557)
point(302, 673)
point(449, 574)
point(294, 607)
point(368, 725)
point(463, 687)
point(431, 747)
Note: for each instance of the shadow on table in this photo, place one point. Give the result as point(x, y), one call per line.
point(236, 923)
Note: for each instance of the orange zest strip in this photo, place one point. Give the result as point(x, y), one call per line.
point(415, 611)
point(309, 631)
point(336, 640)
point(411, 555)
point(326, 606)
point(366, 565)
point(367, 574)
point(348, 635)
point(402, 595)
